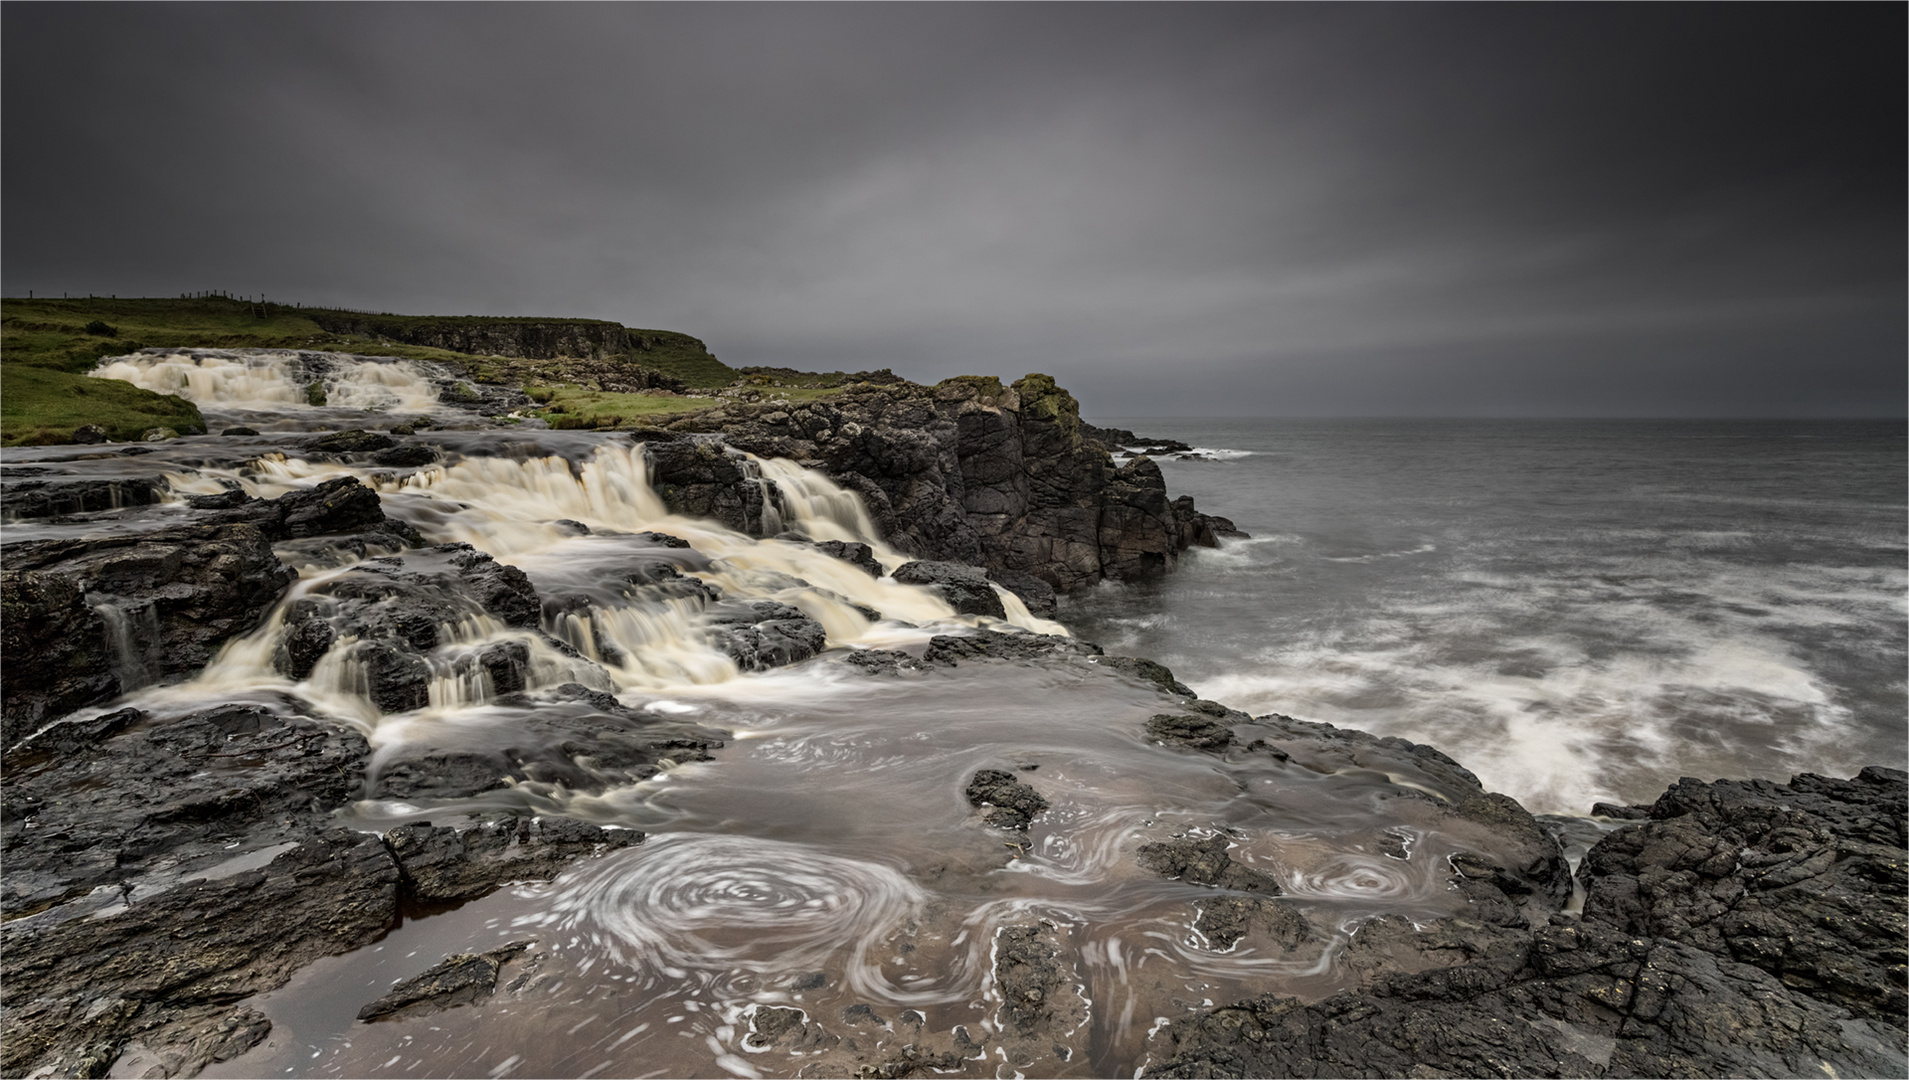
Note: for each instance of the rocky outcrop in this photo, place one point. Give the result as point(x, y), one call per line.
point(568, 736)
point(1745, 929)
point(764, 634)
point(531, 339)
point(1004, 802)
point(164, 969)
point(210, 780)
point(453, 981)
point(965, 588)
point(138, 913)
point(337, 506)
point(1205, 862)
point(397, 608)
point(88, 619)
point(58, 496)
point(968, 471)
point(442, 862)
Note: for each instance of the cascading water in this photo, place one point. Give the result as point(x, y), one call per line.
point(264, 385)
point(826, 860)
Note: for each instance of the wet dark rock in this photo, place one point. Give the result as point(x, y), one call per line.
point(78, 990)
point(1225, 920)
point(440, 862)
point(787, 1029)
point(1038, 595)
point(1205, 862)
point(1746, 929)
point(1206, 725)
point(239, 430)
point(86, 619)
point(969, 471)
point(1804, 880)
point(953, 649)
point(406, 455)
point(1036, 983)
point(1004, 802)
point(858, 555)
point(456, 980)
point(225, 500)
point(572, 736)
point(90, 434)
point(1114, 438)
point(965, 588)
point(703, 478)
point(764, 634)
point(56, 497)
point(1622, 813)
point(336, 506)
point(209, 781)
point(1302, 737)
point(355, 441)
point(396, 607)
point(882, 661)
point(1146, 671)
point(1196, 732)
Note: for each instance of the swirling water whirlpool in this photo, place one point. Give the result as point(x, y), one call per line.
point(743, 909)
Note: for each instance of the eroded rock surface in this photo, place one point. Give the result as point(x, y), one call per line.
point(1006, 478)
point(85, 620)
point(1745, 929)
point(1004, 802)
point(453, 981)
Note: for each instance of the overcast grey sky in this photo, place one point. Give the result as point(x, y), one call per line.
point(1187, 209)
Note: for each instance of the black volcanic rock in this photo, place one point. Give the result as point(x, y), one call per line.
point(1205, 862)
point(1006, 478)
point(1747, 929)
point(1005, 802)
point(764, 634)
point(350, 442)
point(36, 498)
point(441, 863)
point(456, 980)
point(965, 588)
point(857, 555)
point(87, 619)
point(396, 606)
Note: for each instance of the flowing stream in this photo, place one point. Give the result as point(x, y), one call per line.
point(826, 859)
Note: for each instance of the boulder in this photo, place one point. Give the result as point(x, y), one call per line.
point(1005, 802)
point(965, 588)
point(764, 634)
point(456, 980)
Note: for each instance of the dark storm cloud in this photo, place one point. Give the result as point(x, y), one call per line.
point(1209, 209)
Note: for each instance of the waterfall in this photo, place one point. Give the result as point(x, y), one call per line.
point(280, 379)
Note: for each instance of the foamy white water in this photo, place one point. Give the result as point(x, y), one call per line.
point(1578, 612)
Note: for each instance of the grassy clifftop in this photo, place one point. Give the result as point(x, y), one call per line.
point(46, 346)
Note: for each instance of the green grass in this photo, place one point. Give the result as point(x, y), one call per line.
point(42, 338)
point(579, 407)
point(43, 405)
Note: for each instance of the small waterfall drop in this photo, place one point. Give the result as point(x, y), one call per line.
point(276, 379)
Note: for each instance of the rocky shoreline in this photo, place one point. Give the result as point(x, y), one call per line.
point(1730, 928)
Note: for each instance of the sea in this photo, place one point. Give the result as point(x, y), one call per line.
point(1577, 610)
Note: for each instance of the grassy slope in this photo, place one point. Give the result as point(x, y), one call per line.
point(45, 351)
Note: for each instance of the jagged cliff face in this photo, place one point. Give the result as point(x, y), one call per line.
point(971, 471)
point(524, 339)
